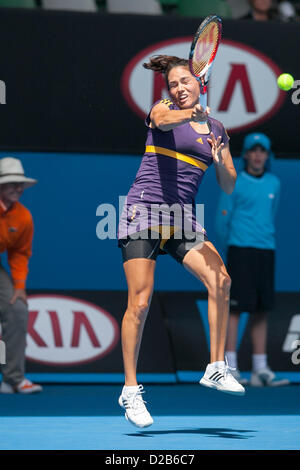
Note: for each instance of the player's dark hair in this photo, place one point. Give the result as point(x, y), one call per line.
point(164, 63)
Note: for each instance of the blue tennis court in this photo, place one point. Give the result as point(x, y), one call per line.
point(87, 417)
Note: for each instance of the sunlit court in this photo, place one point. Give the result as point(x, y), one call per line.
point(186, 417)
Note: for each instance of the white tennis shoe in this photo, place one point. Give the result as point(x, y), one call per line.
point(135, 409)
point(220, 378)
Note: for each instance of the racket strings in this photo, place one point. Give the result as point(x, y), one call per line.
point(205, 47)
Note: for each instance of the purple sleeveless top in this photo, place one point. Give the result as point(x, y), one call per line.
point(170, 173)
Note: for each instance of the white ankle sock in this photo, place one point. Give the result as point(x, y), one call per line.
point(231, 358)
point(259, 361)
point(218, 364)
point(127, 389)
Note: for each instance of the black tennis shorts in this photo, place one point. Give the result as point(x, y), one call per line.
point(150, 248)
point(252, 276)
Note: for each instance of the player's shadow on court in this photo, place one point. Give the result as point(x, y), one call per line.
point(225, 433)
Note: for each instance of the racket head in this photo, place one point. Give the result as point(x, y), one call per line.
point(205, 45)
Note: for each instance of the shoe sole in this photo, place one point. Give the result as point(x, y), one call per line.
point(128, 419)
point(207, 383)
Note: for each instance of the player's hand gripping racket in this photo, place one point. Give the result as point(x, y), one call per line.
point(203, 52)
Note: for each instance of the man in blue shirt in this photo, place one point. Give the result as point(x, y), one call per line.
point(245, 225)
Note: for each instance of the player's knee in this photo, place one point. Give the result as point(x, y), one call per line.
point(226, 283)
point(138, 310)
point(219, 285)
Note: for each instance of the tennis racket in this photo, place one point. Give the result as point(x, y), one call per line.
point(203, 52)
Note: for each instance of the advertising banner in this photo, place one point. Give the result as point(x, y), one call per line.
point(78, 332)
point(75, 82)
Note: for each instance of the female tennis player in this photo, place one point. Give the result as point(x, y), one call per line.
point(178, 151)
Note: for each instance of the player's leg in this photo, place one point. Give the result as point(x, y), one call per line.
point(205, 263)
point(140, 278)
point(139, 265)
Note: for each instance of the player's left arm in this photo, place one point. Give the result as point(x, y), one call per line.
point(225, 171)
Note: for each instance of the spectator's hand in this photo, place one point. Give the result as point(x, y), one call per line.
point(19, 294)
point(216, 148)
point(198, 114)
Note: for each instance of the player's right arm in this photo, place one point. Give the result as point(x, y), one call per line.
point(165, 119)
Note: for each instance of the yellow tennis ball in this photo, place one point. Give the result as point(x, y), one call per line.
point(285, 81)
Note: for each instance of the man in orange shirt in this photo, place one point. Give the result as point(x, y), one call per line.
point(16, 232)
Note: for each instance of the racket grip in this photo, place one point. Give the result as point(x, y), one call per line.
point(203, 103)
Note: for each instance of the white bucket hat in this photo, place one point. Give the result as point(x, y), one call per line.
point(12, 171)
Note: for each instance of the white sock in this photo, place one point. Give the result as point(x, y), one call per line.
point(127, 389)
point(218, 364)
point(259, 361)
point(231, 358)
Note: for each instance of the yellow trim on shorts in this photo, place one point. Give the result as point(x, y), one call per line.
point(161, 228)
point(179, 156)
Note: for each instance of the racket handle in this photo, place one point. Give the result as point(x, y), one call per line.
point(203, 103)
